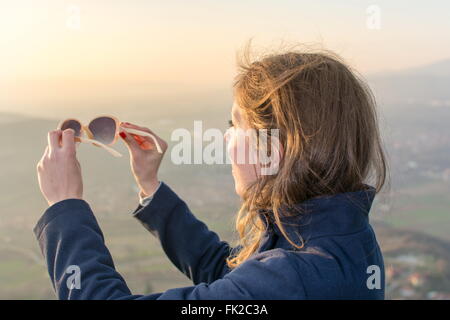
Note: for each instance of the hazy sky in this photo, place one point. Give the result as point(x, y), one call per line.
point(122, 48)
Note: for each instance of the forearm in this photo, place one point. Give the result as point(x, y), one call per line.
point(194, 250)
point(73, 246)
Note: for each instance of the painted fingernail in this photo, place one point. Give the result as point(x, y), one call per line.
point(123, 135)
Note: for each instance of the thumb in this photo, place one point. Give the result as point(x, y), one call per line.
point(68, 140)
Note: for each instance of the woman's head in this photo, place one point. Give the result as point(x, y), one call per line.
point(327, 132)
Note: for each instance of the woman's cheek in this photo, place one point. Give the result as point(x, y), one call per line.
point(231, 150)
point(243, 173)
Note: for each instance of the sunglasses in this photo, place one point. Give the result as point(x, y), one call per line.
point(102, 132)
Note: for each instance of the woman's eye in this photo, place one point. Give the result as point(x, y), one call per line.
point(230, 123)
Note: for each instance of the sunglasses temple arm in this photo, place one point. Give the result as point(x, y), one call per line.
point(146, 134)
point(110, 150)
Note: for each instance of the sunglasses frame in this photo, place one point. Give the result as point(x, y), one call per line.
point(85, 129)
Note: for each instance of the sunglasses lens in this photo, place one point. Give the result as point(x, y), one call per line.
point(103, 129)
point(72, 124)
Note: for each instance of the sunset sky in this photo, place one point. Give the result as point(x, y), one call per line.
point(124, 49)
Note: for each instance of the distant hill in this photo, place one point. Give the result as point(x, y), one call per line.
point(11, 117)
point(427, 85)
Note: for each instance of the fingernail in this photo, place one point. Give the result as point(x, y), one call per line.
point(123, 135)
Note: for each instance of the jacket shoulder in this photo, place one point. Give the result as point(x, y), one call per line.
point(269, 275)
point(339, 268)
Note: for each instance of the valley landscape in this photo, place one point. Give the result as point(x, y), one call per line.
point(411, 217)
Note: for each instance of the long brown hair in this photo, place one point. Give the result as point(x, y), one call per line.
point(328, 128)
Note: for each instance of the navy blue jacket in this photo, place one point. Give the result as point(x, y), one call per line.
point(336, 262)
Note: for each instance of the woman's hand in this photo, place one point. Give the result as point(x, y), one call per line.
point(144, 158)
point(59, 172)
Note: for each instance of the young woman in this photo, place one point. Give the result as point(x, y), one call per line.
point(304, 230)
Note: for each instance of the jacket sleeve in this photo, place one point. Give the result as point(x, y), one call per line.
point(192, 248)
point(73, 246)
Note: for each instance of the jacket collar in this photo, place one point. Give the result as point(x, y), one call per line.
point(337, 214)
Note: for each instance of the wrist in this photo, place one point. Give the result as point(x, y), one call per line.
point(148, 189)
point(55, 201)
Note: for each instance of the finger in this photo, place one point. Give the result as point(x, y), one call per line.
point(147, 136)
point(68, 140)
point(131, 143)
point(140, 139)
point(153, 140)
point(53, 140)
point(144, 143)
point(133, 126)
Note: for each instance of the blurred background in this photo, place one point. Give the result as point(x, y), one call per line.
point(164, 64)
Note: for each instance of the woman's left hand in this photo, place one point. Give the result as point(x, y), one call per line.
point(59, 172)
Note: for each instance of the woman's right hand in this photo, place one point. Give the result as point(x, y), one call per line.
point(144, 158)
